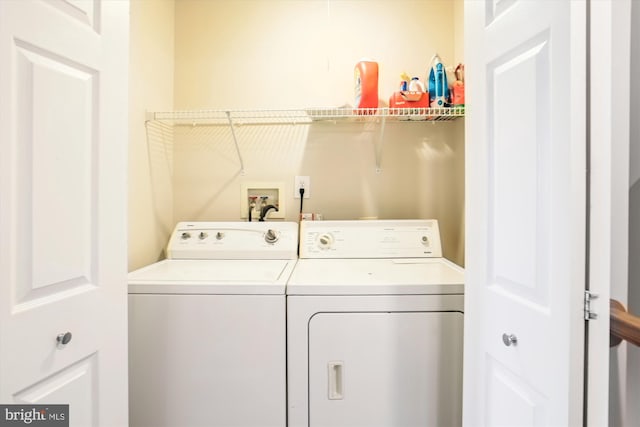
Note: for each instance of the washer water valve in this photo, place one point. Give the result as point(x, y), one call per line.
point(252, 206)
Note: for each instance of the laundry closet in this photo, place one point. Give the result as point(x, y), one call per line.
point(262, 92)
point(275, 56)
point(64, 179)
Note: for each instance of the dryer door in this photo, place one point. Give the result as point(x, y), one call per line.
point(385, 369)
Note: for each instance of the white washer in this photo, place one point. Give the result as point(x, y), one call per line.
point(207, 329)
point(374, 327)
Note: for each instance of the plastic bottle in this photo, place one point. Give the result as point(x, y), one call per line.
point(366, 84)
point(404, 81)
point(457, 89)
point(438, 87)
point(416, 85)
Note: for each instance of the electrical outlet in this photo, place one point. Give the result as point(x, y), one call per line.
point(302, 182)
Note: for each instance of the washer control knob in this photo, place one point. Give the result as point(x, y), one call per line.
point(202, 235)
point(425, 240)
point(185, 235)
point(325, 241)
point(271, 236)
point(219, 235)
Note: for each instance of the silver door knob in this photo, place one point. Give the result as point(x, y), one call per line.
point(509, 339)
point(63, 339)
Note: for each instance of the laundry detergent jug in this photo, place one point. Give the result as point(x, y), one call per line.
point(366, 84)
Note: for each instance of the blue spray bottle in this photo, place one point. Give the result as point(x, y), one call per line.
point(438, 87)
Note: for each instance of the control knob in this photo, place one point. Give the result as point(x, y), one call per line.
point(185, 235)
point(219, 235)
point(271, 236)
point(325, 241)
point(202, 235)
point(425, 240)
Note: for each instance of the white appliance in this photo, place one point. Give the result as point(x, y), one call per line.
point(374, 327)
point(207, 333)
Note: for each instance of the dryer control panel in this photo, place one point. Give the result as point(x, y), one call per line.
point(370, 239)
point(234, 240)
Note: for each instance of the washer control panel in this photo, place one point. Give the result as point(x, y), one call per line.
point(234, 240)
point(370, 239)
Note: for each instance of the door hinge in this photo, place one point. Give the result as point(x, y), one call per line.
point(589, 314)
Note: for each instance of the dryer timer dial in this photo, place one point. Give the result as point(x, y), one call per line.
point(324, 241)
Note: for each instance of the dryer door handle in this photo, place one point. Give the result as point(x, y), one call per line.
point(335, 372)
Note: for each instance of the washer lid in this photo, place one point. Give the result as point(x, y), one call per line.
point(220, 277)
point(399, 276)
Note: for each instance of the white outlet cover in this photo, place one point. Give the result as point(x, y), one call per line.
point(307, 186)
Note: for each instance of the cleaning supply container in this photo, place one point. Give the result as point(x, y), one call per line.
point(457, 89)
point(366, 84)
point(438, 87)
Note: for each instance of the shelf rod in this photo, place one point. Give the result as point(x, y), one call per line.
point(235, 141)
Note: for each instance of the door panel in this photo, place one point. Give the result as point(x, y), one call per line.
point(74, 385)
point(526, 192)
point(84, 11)
point(63, 134)
point(57, 168)
point(385, 369)
point(518, 168)
point(496, 8)
point(511, 398)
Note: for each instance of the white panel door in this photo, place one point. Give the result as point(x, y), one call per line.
point(525, 187)
point(63, 137)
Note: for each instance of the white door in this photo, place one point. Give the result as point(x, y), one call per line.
point(526, 197)
point(63, 139)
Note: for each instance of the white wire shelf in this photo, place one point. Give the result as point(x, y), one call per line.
point(304, 116)
point(233, 118)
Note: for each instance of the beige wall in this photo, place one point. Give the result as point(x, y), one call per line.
point(150, 88)
point(291, 54)
point(458, 38)
point(256, 54)
point(235, 54)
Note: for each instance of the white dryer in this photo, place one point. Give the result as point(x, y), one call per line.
point(374, 327)
point(207, 333)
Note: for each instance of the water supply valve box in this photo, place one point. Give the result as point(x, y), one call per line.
point(254, 196)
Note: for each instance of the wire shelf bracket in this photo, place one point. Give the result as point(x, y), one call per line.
point(235, 141)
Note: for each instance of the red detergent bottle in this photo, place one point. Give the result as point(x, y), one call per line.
point(366, 84)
